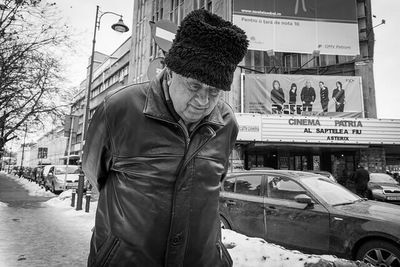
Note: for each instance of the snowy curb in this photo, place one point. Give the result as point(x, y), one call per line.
point(248, 251)
point(63, 201)
point(33, 188)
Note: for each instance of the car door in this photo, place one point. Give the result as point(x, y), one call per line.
point(293, 224)
point(242, 201)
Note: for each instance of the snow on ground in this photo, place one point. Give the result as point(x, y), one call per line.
point(63, 203)
point(33, 188)
point(245, 251)
point(3, 204)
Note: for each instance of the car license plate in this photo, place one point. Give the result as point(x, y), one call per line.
point(393, 198)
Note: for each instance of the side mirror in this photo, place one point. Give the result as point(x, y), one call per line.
point(51, 173)
point(303, 198)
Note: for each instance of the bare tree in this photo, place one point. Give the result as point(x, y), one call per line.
point(31, 91)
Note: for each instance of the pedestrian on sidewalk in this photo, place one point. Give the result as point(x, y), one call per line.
point(157, 152)
point(361, 179)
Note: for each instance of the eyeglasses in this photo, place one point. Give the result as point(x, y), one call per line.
point(195, 86)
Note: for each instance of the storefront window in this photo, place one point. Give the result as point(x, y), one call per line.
point(316, 163)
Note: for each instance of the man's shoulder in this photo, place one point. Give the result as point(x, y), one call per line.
point(227, 112)
point(127, 92)
point(132, 95)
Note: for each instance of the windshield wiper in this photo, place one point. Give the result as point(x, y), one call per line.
point(345, 203)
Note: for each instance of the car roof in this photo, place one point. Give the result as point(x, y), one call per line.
point(65, 165)
point(292, 174)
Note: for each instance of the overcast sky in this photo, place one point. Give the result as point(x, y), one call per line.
point(80, 14)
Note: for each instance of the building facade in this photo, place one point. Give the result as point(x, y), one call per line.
point(110, 73)
point(49, 149)
point(339, 155)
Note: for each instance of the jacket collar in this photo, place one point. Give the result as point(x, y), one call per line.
point(156, 104)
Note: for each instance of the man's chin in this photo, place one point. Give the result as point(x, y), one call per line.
point(193, 118)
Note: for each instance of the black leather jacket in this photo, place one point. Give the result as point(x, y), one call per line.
point(158, 185)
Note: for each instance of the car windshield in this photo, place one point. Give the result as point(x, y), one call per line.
point(332, 193)
point(381, 178)
point(63, 170)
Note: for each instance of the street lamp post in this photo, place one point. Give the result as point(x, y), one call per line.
point(119, 27)
point(23, 147)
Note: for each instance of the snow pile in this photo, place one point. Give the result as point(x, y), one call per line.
point(3, 204)
point(256, 252)
point(33, 188)
point(63, 202)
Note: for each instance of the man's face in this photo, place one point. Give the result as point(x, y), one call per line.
point(321, 85)
point(192, 100)
point(308, 84)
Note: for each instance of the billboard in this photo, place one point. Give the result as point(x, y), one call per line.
point(300, 26)
point(339, 96)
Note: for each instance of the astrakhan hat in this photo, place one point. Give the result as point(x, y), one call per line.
point(207, 48)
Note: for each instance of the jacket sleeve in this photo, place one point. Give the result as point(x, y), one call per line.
point(97, 153)
point(232, 142)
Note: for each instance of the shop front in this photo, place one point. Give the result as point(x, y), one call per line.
point(335, 145)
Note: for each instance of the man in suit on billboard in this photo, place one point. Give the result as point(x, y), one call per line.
point(307, 96)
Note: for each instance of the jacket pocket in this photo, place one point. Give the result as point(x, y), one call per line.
point(107, 251)
point(226, 260)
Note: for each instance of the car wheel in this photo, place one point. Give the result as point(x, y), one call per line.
point(379, 253)
point(224, 223)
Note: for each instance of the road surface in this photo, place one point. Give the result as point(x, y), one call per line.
point(35, 234)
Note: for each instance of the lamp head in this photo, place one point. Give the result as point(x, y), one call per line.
point(120, 26)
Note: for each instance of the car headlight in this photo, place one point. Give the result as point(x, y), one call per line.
point(379, 192)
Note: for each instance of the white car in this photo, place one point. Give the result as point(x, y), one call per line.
point(60, 177)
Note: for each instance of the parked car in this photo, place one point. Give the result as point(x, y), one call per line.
point(26, 173)
point(37, 174)
point(326, 174)
point(310, 213)
point(60, 177)
point(383, 187)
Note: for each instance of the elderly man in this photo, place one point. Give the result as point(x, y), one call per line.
point(158, 151)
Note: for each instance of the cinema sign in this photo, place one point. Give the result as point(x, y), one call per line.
point(329, 130)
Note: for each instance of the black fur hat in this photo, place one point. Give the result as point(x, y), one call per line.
point(207, 48)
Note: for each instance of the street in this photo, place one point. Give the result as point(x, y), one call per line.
point(35, 234)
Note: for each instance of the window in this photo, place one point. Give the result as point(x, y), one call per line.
point(283, 188)
point(176, 13)
point(203, 4)
point(229, 184)
point(157, 14)
point(326, 60)
point(139, 40)
point(249, 185)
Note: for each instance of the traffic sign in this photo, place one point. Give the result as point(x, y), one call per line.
point(163, 32)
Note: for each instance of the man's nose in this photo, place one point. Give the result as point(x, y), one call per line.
point(202, 97)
